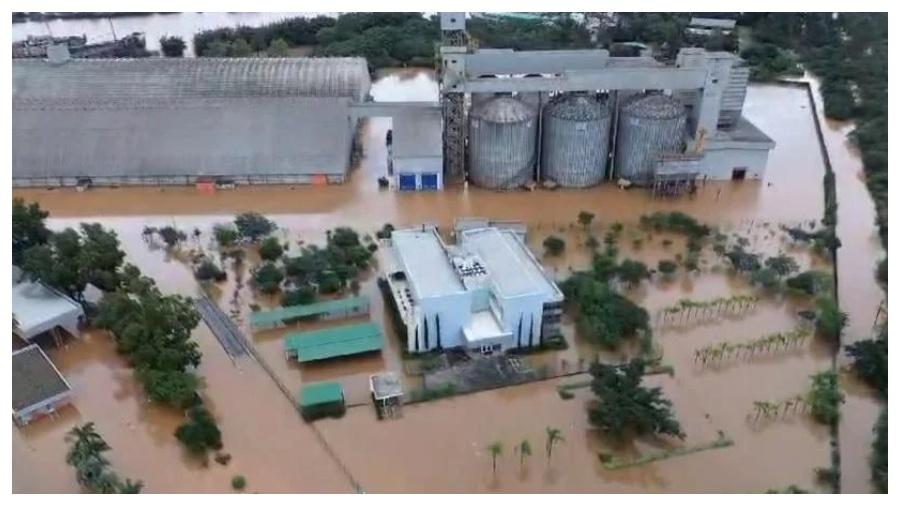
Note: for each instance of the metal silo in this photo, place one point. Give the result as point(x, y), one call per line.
point(575, 144)
point(502, 138)
point(649, 125)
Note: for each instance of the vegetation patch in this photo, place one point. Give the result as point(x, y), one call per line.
point(612, 462)
point(86, 455)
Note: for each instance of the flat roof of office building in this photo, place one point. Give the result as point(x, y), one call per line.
point(512, 267)
point(422, 255)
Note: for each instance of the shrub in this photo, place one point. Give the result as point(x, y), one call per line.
point(667, 267)
point(554, 245)
point(782, 265)
point(830, 321)
point(825, 397)
point(870, 361)
point(766, 278)
point(385, 232)
point(809, 282)
point(238, 482)
point(585, 218)
point(207, 270)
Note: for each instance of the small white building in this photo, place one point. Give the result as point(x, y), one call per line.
point(416, 154)
point(38, 308)
point(486, 293)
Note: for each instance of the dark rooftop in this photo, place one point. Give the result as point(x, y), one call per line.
point(34, 378)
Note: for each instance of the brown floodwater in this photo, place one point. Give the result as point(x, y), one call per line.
point(439, 446)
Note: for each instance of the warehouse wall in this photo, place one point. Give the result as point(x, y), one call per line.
point(718, 164)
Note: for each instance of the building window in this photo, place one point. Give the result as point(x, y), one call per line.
point(738, 173)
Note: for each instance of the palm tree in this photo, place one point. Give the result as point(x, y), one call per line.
point(524, 450)
point(554, 436)
point(495, 449)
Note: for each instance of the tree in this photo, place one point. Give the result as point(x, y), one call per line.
point(226, 235)
point(495, 448)
point(585, 218)
point(825, 397)
point(270, 249)
point(91, 466)
point(200, 433)
point(879, 462)
point(633, 271)
point(101, 256)
point(604, 316)
point(624, 406)
point(253, 226)
point(524, 450)
point(28, 228)
point(554, 245)
point(172, 47)
point(667, 267)
point(59, 263)
point(240, 48)
point(870, 361)
point(304, 294)
point(554, 436)
point(782, 265)
point(268, 277)
point(171, 235)
point(278, 48)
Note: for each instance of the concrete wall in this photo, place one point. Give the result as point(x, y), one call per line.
point(432, 165)
point(454, 312)
point(718, 164)
point(528, 309)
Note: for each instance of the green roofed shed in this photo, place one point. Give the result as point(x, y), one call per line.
point(334, 342)
point(325, 392)
point(318, 400)
point(330, 308)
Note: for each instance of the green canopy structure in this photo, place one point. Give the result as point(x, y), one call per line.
point(338, 308)
point(334, 342)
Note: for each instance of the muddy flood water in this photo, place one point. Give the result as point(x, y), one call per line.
point(439, 446)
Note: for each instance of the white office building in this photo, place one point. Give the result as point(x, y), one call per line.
point(486, 293)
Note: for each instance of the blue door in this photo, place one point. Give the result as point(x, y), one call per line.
point(407, 182)
point(429, 181)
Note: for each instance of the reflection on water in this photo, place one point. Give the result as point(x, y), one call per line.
point(262, 430)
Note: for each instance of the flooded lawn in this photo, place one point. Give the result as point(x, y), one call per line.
point(439, 446)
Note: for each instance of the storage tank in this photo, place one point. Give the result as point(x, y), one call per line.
point(575, 144)
point(502, 139)
point(648, 126)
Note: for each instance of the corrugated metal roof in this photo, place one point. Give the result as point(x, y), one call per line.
point(334, 342)
point(277, 316)
point(34, 378)
point(200, 136)
point(98, 81)
point(325, 392)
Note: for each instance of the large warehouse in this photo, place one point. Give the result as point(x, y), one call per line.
point(486, 293)
point(183, 120)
